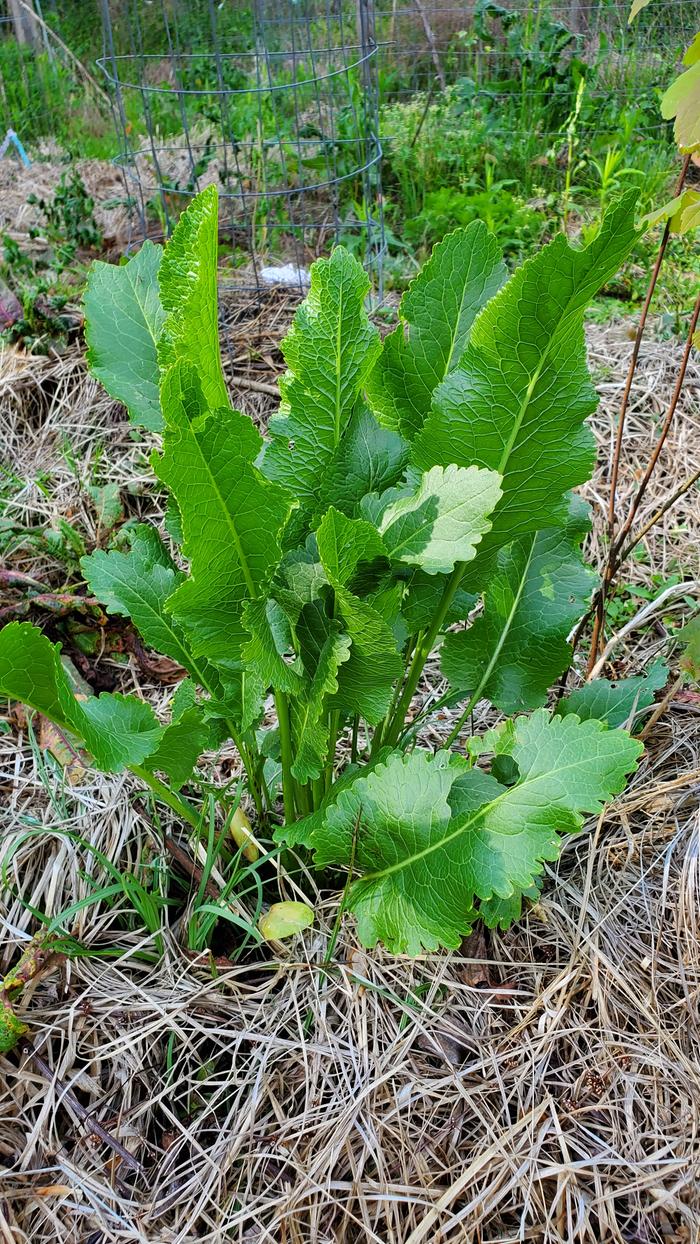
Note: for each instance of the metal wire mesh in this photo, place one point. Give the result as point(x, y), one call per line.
point(275, 103)
point(519, 49)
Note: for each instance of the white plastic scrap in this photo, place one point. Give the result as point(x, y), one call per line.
point(289, 274)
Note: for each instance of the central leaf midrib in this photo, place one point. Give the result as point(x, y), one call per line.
point(519, 420)
point(338, 386)
point(506, 629)
point(479, 814)
point(228, 517)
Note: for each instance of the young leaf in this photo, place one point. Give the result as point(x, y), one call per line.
point(365, 680)
point(329, 350)
point(180, 747)
point(636, 7)
point(437, 311)
point(683, 212)
point(309, 722)
point(428, 837)
point(123, 323)
point(188, 291)
point(438, 521)
point(614, 702)
point(368, 459)
point(117, 730)
point(517, 401)
point(518, 646)
point(270, 650)
point(285, 920)
point(232, 517)
point(682, 101)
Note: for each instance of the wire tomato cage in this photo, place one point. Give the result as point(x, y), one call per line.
point(276, 104)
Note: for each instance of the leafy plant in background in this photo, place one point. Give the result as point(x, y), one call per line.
point(41, 280)
point(405, 489)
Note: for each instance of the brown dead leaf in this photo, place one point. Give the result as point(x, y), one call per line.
point(72, 759)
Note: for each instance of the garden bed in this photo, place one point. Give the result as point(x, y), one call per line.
point(541, 1084)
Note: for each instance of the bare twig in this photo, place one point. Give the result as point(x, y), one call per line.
point(658, 514)
point(635, 356)
point(433, 46)
point(615, 559)
point(256, 386)
point(662, 435)
point(650, 608)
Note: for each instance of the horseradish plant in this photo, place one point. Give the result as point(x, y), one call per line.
point(410, 496)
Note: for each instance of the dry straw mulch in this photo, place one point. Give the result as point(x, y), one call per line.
point(539, 1085)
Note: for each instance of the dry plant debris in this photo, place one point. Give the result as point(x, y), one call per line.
point(541, 1085)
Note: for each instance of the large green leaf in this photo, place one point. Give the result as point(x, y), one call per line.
point(437, 520)
point(232, 517)
point(329, 350)
point(518, 399)
point(123, 323)
point(137, 585)
point(518, 646)
point(429, 837)
point(117, 730)
point(365, 680)
point(615, 702)
point(436, 314)
point(188, 291)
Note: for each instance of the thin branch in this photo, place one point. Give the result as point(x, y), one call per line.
point(647, 611)
point(615, 559)
point(663, 434)
point(635, 356)
point(658, 514)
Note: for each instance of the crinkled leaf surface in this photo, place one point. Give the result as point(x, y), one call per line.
point(518, 646)
point(437, 311)
point(270, 650)
point(329, 350)
point(429, 837)
point(123, 323)
point(188, 291)
point(365, 680)
point(117, 730)
point(517, 401)
point(614, 702)
point(232, 517)
point(439, 520)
